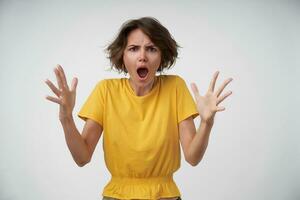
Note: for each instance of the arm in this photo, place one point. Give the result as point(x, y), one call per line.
point(81, 146)
point(194, 143)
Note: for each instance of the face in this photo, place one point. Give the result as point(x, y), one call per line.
point(141, 58)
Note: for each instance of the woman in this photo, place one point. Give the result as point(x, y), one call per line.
point(144, 119)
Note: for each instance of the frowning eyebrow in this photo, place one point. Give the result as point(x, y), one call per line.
point(135, 45)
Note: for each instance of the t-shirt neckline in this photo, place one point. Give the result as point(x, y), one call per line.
point(153, 89)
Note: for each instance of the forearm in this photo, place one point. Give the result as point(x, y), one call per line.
point(199, 143)
point(75, 142)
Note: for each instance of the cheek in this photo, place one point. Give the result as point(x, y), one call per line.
point(128, 58)
point(128, 62)
point(158, 60)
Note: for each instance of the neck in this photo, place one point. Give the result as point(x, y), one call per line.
point(142, 90)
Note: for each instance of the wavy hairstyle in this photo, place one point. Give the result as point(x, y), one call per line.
point(157, 33)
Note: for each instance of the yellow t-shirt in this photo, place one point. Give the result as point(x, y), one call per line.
point(140, 134)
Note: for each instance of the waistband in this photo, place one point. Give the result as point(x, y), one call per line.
point(142, 180)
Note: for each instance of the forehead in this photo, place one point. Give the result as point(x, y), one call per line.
point(137, 36)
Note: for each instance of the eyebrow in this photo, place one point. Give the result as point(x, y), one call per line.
point(148, 45)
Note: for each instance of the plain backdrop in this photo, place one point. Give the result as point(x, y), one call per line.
point(253, 151)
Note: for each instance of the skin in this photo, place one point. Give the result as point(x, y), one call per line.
point(82, 145)
point(194, 142)
point(141, 51)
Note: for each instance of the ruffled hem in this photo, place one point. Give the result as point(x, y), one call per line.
point(141, 188)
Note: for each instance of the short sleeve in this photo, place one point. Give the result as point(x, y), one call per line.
point(93, 108)
point(186, 105)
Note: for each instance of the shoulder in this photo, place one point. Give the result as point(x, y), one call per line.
point(173, 79)
point(112, 84)
point(109, 82)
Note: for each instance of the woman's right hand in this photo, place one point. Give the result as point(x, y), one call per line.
point(65, 97)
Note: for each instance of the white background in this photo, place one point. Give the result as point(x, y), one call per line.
point(253, 151)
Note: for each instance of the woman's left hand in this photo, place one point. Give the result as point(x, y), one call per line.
point(207, 105)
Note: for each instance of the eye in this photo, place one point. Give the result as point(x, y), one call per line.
point(152, 49)
point(133, 49)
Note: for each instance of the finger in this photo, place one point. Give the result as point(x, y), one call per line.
point(58, 79)
point(74, 84)
point(220, 99)
point(63, 76)
point(195, 90)
point(53, 88)
point(53, 99)
point(219, 109)
point(213, 81)
point(221, 88)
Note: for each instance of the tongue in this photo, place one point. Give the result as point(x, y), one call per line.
point(142, 72)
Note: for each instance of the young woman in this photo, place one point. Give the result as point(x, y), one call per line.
point(144, 119)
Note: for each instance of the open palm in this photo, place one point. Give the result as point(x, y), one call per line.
point(207, 105)
point(65, 96)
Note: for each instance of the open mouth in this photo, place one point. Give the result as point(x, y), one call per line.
point(142, 72)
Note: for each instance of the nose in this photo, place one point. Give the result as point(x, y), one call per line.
point(142, 56)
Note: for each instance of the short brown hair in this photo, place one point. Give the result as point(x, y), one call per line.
point(157, 33)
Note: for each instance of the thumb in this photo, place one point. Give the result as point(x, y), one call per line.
point(74, 84)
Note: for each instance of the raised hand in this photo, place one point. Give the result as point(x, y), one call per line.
point(65, 97)
point(207, 105)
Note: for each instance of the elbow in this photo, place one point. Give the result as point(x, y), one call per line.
point(83, 160)
point(193, 159)
point(193, 163)
point(82, 163)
